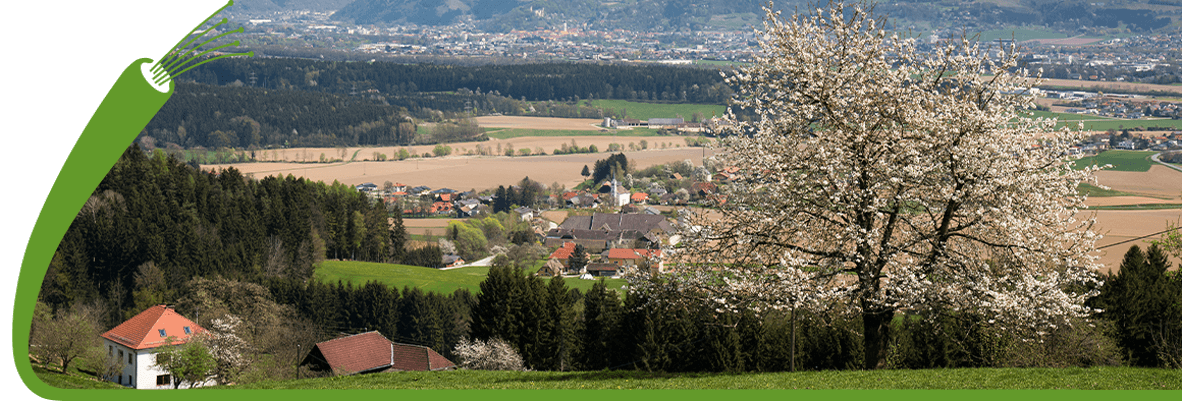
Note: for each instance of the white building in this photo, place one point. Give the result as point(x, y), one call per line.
point(136, 342)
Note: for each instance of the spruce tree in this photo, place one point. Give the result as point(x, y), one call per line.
point(600, 316)
point(1141, 300)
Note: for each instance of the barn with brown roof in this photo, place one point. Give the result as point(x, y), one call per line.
point(371, 352)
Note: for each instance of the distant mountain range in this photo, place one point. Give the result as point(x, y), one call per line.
point(1065, 16)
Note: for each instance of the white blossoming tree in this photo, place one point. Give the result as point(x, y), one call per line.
point(495, 354)
point(886, 179)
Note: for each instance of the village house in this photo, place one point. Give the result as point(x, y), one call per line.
point(627, 258)
point(371, 352)
point(136, 342)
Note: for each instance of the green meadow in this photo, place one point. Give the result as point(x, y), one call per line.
point(645, 111)
point(1098, 378)
point(425, 278)
point(1121, 160)
point(1100, 123)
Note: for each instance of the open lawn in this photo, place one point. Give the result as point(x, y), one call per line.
point(645, 111)
point(1101, 123)
point(426, 279)
point(1121, 160)
point(1106, 378)
point(73, 380)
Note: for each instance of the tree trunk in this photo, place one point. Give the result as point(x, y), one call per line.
point(875, 334)
point(792, 353)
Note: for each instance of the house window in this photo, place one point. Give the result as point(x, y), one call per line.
point(110, 351)
point(187, 331)
point(161, 332)
point(120, 354)
point(129, 358)
point(163, 380)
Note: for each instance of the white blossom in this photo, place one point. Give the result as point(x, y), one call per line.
point(891, 179)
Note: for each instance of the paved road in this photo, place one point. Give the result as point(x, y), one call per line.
point(1155, 160)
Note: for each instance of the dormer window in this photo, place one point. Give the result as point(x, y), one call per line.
point(162, 333)
point(187, 331)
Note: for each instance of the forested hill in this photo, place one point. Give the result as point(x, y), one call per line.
point(553, 81)
point(187, 223)
point(244, 117)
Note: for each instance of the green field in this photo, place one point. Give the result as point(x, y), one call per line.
point(73, 381)
point(645, 111)
point(1104, 378)
point(1116, 124)
point(1093, 191)
point(1100, 123)
point(425, 278)
point(1121, 160)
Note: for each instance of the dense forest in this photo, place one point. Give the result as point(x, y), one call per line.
point(153, 209)
point(553, 81)
point(304, 103)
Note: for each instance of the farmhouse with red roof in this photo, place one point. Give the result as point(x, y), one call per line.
point(628, 257)
point(136, 342)
point(371, 352)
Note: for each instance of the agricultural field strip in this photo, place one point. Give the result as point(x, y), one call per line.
point(425, 278)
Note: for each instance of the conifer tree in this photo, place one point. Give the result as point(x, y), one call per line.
point(600, 315)
point(1142, 301)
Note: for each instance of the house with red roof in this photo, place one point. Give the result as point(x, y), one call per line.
point(136, 341)
point(632, 257)
point(371, 352)
point(562, 254)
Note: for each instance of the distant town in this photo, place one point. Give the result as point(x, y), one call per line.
point(1130, 58)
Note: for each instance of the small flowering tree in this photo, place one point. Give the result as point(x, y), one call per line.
point(884, 179)
point(228, 349)
point(495, 354)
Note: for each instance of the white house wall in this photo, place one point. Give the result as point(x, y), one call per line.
point(142, 369)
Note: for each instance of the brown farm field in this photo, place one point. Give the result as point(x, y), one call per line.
point(1123, 225)
point(1159, 182)
point(546, 143)
point(1158, 185)
point(543, 123)
point(471, 172)
point(1111, 87)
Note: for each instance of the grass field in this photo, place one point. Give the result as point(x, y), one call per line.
point(72, 381)
point(1121, 160)
point(1100, 123)
point(508, 133)
point(1106, 378)
point(1146, 206)
point(645, 111)
point(426, 279)
point(1093, 191)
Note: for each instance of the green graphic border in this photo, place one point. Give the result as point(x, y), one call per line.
point(128, 107)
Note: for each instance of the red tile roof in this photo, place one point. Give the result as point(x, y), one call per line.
point(639, 197)
point(372, 351)
point(143, 330)
point(564, 251)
